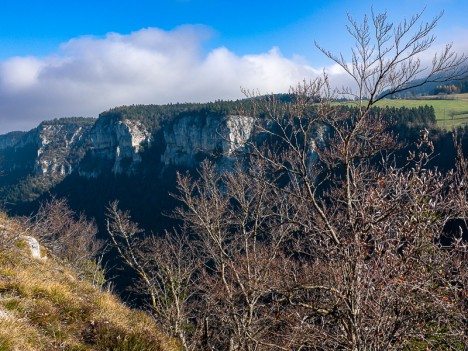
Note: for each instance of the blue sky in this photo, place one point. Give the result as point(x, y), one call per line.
point(70, 58)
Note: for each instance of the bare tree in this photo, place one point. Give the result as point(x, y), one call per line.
point(352, 254)
point(318, 239)
point(388, 58)
point(165, 267)
point(240, 231)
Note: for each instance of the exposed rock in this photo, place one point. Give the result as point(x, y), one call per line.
point(132, 137)
point(53, 148)
point(115, 143)
point(239, 131)
point(188, 138)
point(119, 142)
point(4, 315)
point(34, 246)
point(128, 141)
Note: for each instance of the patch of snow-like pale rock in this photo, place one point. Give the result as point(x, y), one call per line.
point(4, 315)
point(239, 130)
point(55, 142)
point(131, 138)
point(33, 246)
point(188, 137)
point(118, 141)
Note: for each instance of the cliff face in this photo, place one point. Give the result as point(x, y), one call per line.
point(117, 144)
point(58, 145)
point(189, 139)
point(120, 142)
point(53, 148)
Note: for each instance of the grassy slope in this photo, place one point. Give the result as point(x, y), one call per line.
point(43, 306)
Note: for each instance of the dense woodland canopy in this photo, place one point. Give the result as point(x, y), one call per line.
point(153, 115)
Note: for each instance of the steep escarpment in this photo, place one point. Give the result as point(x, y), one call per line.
point(183, 137)
point(116, 142)
point(188, 139)
point(54, 147)
point(34, 161)
point(129, 153)
point(132, 153)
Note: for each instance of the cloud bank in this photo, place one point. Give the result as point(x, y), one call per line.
point(88, 75)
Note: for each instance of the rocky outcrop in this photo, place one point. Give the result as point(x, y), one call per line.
point(34, 247)
point(189, 139)
point(53, 148)
point(114, 143)
point(4, 314)
point(118, 141)
point(57, 148)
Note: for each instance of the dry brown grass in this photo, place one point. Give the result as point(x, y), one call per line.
point(44, 306)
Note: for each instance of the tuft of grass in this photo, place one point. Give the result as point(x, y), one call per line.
point(18, 336)
point(106, 336)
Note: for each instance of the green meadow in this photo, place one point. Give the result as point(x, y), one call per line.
point(449, 113)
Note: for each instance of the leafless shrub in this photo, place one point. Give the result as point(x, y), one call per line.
point(70, 237)
point(165, 268)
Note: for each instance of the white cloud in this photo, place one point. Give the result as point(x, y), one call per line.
point(20, 73)
point(88, 75)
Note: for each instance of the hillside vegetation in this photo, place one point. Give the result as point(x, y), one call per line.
point(45, 306)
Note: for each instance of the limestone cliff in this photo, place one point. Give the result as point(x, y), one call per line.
point(118, 141)
point(124, 141)
point(189, 139)
point(57, 147)
point(54, 148)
